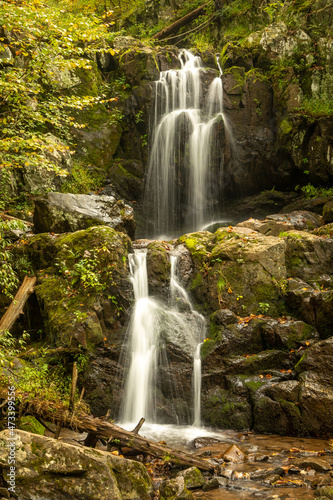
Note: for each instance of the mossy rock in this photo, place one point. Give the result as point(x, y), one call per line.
point(158, 263)
point(199, 244)
point(30, 424)
point(68, 320)
point(224, 409)
point(308, 255)
point(87, 265)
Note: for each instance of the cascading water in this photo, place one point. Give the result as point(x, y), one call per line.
point(143, 346)
point(186, 160)
point(153, 325)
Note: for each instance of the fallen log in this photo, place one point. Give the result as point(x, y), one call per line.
point(18, 303)
point(105, 430)
point(183, 21)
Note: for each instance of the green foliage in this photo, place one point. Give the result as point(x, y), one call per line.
point(310, 191)
point(316, 107)
point(263, 307)
point(50, 47)
point(10, 347)
point(82, 180)
point(84, 273)
point(8, 277)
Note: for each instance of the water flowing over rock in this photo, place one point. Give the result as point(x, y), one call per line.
point(189, 138)
point(61, 213)
point(153, 329)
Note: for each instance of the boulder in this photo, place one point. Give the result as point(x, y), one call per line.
point(308, 255)
point(237, 269)
point(65, 212)
point(52, 469)
point(234, 454)
point(315, 373)
point(193, 478)
point(78, 300)
point(313, 302)
point(301, 220)
point(175, 489)
point(328, 212)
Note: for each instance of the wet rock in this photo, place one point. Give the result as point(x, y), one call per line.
point(212, 484)
point(202, 442)
point(267, 227)
point(39, 460)
point(307, 255)
point(127, 179)
point(158, 268)
point(175, 489)
point(224, 317)
point(234, 454)
point(313, 302)
point(315, 205)
point(60, 213)
point(259, 205)
point(328, 212)
point(317, 464)
point(301, 220)
point(193, 478)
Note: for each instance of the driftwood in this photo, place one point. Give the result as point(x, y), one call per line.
point(183, 21)
point(17, 305)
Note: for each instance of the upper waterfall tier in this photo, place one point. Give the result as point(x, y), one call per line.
point(183, 185)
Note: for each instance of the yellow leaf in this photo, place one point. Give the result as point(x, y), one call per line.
point(112, 52)
point(229, 290)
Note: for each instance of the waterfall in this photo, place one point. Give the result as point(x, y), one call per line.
point(198, 335)
point(185, 168)
point(151, 327)
point(143, 351)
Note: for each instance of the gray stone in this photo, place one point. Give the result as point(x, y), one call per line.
point(175, 489)
point(52, 469)
point(60, 213)
point(193, 478)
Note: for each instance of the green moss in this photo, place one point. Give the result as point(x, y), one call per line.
point(253, 385)
point(197, 282)
point(30, 424)
point(208, 347)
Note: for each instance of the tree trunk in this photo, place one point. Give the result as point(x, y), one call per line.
point(106, 430)
point(183, 21)
point(17, 305)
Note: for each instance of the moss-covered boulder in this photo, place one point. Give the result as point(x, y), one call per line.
point(307, 255)
point(52, 469)
point(237, 269)
point(158, 267)
point(63, 212)
point(89, 268)
point(175, 489)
